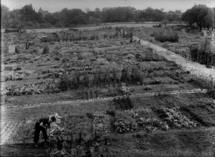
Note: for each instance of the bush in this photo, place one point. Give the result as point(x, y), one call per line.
point(166, 35)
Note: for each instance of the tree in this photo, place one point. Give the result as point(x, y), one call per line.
point(14, 19)
point(51, 18)
point(150, 14)
point(4, 15)
point(28, 14)
point(173, 15)
point(72, 17)
point(200, 16)
point(118, 14)
point(94, 16)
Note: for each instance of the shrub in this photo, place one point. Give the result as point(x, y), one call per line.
point(166, 35)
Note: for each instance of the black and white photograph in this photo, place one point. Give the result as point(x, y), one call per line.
point(107, 78)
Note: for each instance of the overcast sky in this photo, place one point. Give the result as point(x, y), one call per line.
point(56, 5)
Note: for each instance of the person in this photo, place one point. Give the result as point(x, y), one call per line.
point(42, 125)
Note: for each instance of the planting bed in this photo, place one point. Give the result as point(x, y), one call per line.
point(116, 97)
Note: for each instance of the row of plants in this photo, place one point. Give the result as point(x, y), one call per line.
point(166, 36)
point(32, 89)
point(137, 119)
point(130, 74)
point(204, 54)
point(16, 76)
point(85, 35)
point(65, 80)
point(174, 118)
point(126, 118)
point(133, 120)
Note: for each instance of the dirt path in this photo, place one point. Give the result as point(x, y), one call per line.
point(196, 69)
point(80, 101)
point(22, 150)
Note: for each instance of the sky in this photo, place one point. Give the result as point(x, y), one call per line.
point(57, 5)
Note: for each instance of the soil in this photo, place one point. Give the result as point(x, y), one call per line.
point(22, 150)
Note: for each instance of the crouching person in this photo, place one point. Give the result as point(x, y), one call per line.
point(41, 126)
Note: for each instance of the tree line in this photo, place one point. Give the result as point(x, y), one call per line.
point(27, 16)
point(199, 16)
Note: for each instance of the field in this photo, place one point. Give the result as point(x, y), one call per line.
point(117, 97)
